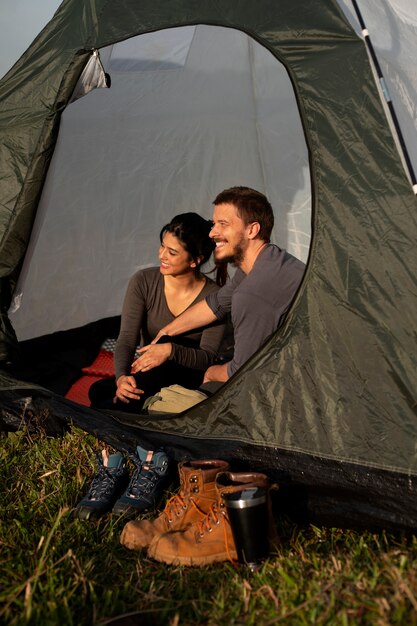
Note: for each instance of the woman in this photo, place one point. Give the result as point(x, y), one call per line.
point(154, 297)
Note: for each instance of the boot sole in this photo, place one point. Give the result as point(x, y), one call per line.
point(170, 559)
point(90, 515)
point(132, 544)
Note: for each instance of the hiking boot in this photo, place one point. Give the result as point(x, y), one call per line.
point(210, 539)
point(149, 480)
point(107, 485)
point(196, 495)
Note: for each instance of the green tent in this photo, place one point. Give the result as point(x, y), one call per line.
point(328, 404)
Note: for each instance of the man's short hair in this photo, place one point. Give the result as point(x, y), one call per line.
point(252, 206)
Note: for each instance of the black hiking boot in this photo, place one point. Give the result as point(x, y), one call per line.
point(149, 480)
point(107, 485)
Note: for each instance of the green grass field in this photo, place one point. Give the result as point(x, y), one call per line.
point(56, 569)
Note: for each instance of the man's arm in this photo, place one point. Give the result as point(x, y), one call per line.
point(196, 316)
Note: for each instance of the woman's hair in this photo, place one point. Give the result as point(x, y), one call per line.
point(192, 231)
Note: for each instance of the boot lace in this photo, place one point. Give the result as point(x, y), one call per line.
point(103, 482)
point(213, 518)
point(144, 478)
point(176, 506)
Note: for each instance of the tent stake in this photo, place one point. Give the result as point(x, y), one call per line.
point(387, 96)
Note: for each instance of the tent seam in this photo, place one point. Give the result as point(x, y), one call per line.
point(255, 102)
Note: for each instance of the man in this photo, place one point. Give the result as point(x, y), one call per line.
point(262, 288)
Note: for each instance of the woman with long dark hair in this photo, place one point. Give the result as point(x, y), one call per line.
point(154, 297)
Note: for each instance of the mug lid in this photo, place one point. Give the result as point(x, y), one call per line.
point(253, 496)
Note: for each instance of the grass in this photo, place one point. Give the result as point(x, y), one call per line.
point(56, 569)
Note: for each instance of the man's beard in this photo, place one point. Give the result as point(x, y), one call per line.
point(238, 254)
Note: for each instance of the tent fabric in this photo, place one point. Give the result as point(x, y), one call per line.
point(328, 403)
point(392, 27)
point(312, 489)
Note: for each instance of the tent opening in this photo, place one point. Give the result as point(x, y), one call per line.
point(191, 111)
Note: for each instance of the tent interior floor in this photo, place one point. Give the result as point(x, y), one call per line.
point(68, 362)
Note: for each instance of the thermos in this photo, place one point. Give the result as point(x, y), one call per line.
point(249, 521)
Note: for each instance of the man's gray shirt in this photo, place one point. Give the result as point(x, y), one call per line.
point(258, 300)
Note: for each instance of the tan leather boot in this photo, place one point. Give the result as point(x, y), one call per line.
point(196, 495)
point(209, 539)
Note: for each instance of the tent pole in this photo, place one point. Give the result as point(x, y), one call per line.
point(387, 96)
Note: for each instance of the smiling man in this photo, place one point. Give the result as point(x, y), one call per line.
point(264, 283)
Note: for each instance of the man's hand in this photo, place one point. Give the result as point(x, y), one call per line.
point(216, 373)
point(151, 356)
point(161, 333)
point(127, 390)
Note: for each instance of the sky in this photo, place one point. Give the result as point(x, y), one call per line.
point(20, 22)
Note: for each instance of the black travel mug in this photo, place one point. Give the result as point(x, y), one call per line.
point(249, 520)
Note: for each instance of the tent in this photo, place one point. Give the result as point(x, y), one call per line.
point(327, 406)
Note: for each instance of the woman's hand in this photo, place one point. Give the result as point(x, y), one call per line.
point(127, 390)
point(151, 356)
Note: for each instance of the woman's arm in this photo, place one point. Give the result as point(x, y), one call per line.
point(133, 315)
point(202, 357)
